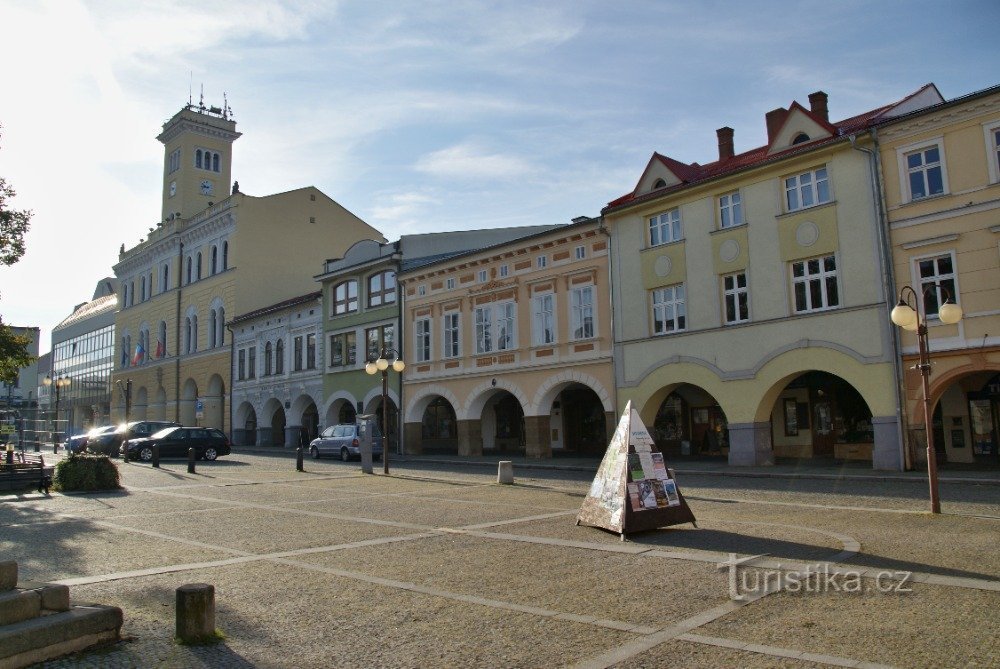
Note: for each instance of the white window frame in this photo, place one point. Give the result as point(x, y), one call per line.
point(580, 310)
point(541, 262)
point(452, 334)
point(449, 283)
point(920, 282)
point(482, 320)
point(481, 276)
point(422, 339)
point(733, 294)
point(422, 290)
point(672, 300)
point(543, 309)
point(580, 252)
point(822, 276)
point(810, 186)
point(506, 315)
point(906, 195)
point(990, 132)
point(731, 207)
point(666, 227)
point(504, 270)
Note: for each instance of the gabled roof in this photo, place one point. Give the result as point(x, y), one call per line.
point(694, 173)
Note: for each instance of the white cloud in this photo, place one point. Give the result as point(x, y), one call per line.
point(469, 161)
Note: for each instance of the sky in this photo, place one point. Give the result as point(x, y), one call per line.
point(423, 116)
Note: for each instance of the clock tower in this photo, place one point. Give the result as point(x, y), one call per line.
point(197, 159)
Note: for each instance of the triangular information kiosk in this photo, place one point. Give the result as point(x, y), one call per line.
point(633, 490)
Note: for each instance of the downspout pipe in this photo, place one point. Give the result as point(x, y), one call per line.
point(611, 306)
point(888, 285)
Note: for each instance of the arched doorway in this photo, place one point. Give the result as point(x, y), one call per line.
point(577, 423)
point(966, 423)
point(438, 428)
point(189, 399)
point(821, 416)
point(503, 424)
point(690, 423)
point(310, 422)
point(214, 407)
point(277, 428)
point(392, 432)
point(245, 432)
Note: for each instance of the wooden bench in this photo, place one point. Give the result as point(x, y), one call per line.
point(27, 469)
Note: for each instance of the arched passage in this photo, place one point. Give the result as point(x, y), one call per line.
point(437, 431)
point(821, 416)
point(189, 398)
point(245, 429)
point(689, 422)
point(391, 413)
point(965, 420)
point(215, 403)
point(340, 409)
point(271, 431)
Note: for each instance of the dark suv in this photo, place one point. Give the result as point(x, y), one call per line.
point(110, 443)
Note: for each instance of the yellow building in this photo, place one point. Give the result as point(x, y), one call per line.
point(216, 253)
point(940, 168)
point(750, 300)
point(508, 348)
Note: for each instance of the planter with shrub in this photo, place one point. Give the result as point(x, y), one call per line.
point(86, 472)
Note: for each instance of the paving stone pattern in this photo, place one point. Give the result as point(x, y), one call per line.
point(436, 565)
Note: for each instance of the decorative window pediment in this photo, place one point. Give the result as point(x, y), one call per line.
point(798, 123)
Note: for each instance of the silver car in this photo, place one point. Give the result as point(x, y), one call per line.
point(343, 441)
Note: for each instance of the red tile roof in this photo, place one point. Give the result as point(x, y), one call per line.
point(695, 173)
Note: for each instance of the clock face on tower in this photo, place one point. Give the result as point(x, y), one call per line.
point(206, 187)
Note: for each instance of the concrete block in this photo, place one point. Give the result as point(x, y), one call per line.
point(195, 615)
point(505, 472)
point(55, 597)
point(18, 605)
point(8, 575)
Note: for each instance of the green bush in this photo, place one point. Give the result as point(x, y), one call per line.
point(86, 472)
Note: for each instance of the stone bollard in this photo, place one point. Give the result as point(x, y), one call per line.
point(156, 455)
point(298, 460)
point(195, 612)
point(8, 575)
point(190, 461)
point(505, 472)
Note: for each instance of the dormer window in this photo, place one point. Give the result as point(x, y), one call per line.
point(800, 138)
point(659, 183)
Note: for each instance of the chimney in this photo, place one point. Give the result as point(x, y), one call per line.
point(725, 136)
point(774, 119)
point(817, 104)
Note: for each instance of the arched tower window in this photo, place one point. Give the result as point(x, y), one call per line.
point(197, 269)
point(215, 162)
point(197, 158)
point(268, 359)
point(279, 357)
point(225, 255)
point(215, 259)
point(161, 341)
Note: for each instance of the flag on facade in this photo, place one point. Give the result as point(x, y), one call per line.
point(140, 352)
point(161, 349)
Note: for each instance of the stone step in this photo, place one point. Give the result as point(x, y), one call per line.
point(8, 575)
point(46, 637)
point(25, 603)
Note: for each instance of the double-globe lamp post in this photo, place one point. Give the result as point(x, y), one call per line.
point(374, 366)
point(56, 384)
point(908, 316)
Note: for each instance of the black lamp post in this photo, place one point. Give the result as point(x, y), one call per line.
point(908, 317)
point(56, 384)
point(374, 366)
point(126, 391)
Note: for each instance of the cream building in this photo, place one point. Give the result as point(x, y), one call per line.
point(214, 254)
point(508, 347)
point(750, 301)
point(940, 167)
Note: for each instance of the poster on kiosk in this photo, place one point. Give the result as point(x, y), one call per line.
point(633, 490)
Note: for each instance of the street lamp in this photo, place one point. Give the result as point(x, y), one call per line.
point(126, 391)
point(907, 317)
point(57, 384)
point(374, 366)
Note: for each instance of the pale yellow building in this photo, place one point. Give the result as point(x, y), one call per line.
point(750, 298)
point(216, 253)
point(940, 169)
point(508, 348)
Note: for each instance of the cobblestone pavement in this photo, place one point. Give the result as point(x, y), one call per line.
point(436, 565)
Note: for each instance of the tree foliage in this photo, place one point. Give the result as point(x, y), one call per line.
point(13, 227)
